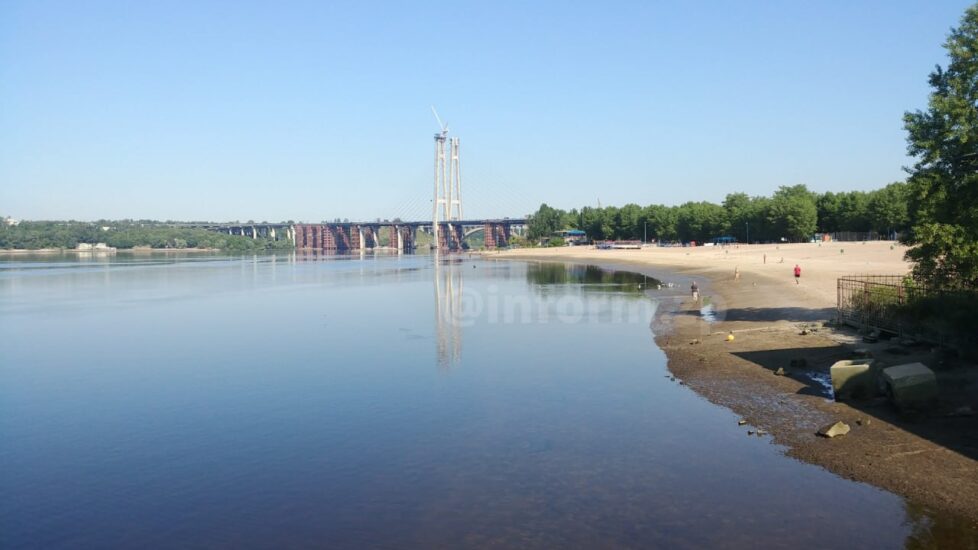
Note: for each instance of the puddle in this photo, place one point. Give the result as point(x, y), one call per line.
point(824, 380)
point(708, 312)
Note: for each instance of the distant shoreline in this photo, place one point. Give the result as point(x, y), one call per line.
point(137, 249)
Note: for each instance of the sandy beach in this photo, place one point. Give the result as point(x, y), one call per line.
point(931, 459)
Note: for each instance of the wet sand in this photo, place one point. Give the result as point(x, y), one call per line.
point(931, 459)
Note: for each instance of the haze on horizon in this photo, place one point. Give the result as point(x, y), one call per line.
point(303, 111)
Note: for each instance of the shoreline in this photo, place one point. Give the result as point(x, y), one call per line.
point(931, 460)
point(103, 251)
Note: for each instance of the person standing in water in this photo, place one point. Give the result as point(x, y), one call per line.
point(797, 273)
point(695, 290)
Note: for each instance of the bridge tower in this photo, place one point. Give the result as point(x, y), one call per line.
point(439, 205)
point(447, 204)
point(454, 199)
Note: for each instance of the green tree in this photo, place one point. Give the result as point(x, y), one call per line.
point(739, 213)
point(887, 208)
point(627, 222)
point(853, 212)
point(792, 213)
point(701, 221)
point(596, 223)
point(661, 222)
point(545, 222)
point(943, 185)
point(829, 208)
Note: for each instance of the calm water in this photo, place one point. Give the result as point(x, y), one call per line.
point(379, 402)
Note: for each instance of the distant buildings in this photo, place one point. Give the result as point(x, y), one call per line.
point(572, 236)
point(10, 222)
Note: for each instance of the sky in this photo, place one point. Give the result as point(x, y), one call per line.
point(310, 110)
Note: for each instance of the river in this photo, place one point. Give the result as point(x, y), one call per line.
point(379, 401)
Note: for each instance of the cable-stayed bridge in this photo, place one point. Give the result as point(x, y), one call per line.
point(447, 227)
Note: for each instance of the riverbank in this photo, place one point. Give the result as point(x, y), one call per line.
point(932, 459)
point(135, 249)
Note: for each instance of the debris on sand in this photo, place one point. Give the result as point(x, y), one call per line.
point(741, 422)
point(834, 430)
point(779, 372)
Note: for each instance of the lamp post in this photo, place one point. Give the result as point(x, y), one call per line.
point(748, 232)
point(645, 232)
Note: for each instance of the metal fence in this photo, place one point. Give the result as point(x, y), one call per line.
point(852, 236)
point(872, 300)
point(896, 304)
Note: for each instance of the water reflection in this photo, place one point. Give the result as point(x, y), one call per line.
point(448, 312)
point(589, 278)
point(934, 531)
point(290, 401)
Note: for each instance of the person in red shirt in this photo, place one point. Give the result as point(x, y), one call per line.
point(797, 273)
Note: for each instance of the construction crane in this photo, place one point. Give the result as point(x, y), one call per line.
point(444, 127)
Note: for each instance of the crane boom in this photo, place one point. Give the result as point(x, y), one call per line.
point(444, 129)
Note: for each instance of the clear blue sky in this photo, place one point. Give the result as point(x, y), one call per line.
point(315, 110)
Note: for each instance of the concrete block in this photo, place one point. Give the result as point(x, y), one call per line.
point(853, 378)
point(911, 386)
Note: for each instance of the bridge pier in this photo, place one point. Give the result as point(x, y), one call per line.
point(343, 237)
point(495, 235)
point(403, 237)
point(396, 238)
point(450, 236)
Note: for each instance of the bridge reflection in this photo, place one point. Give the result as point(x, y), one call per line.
point(448, 310)
point(447, 279)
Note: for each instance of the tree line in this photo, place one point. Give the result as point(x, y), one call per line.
point(125, 234)
point(935, 211)
point(792, 213)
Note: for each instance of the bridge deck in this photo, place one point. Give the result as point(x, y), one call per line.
point(427, 223)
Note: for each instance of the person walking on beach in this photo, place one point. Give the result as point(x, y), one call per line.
point(797, 273)
point(695, 290)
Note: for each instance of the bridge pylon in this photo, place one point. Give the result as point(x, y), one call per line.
point(447, 204)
